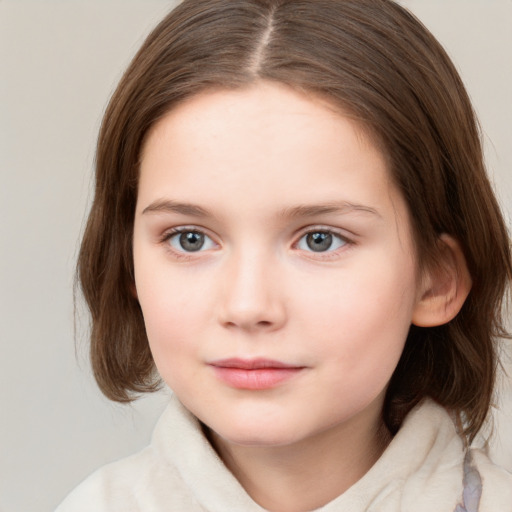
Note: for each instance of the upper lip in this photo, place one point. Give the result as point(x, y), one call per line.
point(252, 364)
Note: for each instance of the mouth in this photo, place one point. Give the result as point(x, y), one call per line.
point(254, 374)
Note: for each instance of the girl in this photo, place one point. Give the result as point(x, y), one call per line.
point(293, 229)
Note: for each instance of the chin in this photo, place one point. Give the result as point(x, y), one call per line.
point(244, 433)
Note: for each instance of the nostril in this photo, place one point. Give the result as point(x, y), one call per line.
point(263, 325)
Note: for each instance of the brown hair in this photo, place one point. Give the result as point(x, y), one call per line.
point(376, 61)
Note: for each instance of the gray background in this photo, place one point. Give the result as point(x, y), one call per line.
point(59, 62)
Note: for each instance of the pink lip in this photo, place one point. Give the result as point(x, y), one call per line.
point(254, 374)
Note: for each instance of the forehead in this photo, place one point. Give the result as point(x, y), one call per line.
point(267, 112)
point(266, 143)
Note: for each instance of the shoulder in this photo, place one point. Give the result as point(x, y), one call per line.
point(145, 481)
point(496, 484)
point(157, 478)
point(111, 488)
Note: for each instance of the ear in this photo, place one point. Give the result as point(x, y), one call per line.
point(444, 288)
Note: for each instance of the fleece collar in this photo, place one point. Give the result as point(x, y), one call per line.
point(421, 470)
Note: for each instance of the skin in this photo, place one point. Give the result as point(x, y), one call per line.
point(256, 170)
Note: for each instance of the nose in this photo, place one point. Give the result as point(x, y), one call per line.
point(253, 295)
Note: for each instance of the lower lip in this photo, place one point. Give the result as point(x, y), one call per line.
point(260, 378)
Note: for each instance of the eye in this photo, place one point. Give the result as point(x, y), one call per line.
point(190, 241)
point(321, 241)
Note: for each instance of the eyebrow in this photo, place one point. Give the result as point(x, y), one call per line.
point(337, 207)
point(168, 206)
point(341, 207)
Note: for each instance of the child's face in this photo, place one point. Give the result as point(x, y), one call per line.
point(268, 233)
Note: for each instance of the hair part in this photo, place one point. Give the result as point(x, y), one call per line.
point(381, 66)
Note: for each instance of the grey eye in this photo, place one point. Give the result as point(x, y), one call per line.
point(320, 241)
point(190, 241)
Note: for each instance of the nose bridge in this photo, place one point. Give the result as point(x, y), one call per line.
point(253, 297)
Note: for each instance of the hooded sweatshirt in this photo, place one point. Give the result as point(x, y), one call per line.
point(424, 469)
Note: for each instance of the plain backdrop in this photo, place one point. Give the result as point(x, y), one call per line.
point(59, 62)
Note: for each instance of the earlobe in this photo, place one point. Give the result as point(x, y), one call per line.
point(444, 288)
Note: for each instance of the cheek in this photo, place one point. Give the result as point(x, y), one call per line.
point(169, 297)
point(171, 307)
point(363, 316)
point(173, 340)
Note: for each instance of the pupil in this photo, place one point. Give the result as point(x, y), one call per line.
point(319, 242)
point(191, 241)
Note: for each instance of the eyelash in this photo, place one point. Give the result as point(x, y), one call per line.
point(329, 254)
point(183, 255)
point(311, 230)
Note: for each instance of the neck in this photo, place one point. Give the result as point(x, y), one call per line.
point(310, 473)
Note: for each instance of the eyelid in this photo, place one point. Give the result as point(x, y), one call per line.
point(171, 232)
point(348, 240)
point(339, 233)
point(322, 228)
